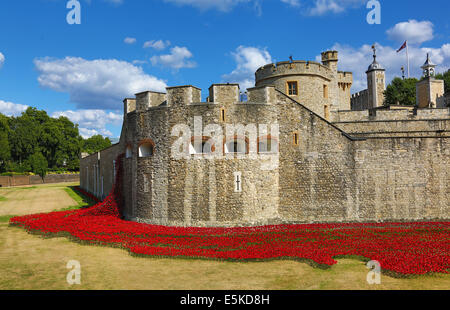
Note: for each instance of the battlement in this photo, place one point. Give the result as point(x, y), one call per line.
point(392, 114)
point(359, 94)
point(129, 105)
point(345, 77)
point(263, 94)
point(296, 67)
point(191, 95)
point(224, 93)
point(329, 56)
point(147, 99)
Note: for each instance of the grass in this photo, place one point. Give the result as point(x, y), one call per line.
point(82, 201)
point(2, 198)
point(32, 262)
point(6, 218)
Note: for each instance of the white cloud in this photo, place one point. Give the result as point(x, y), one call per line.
point(86, 133)
point(2, 59)
point(248, 60)
point(92, 122)
point(95, 83)
point(295, 3)
point(177, 59)
point(358, 59)
point(11, 109)
point(129, 40)
point(157, 45)
point(322, 7)
point(221, 5)
point(413, 31)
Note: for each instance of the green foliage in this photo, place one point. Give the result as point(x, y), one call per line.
point(446, 77)
point(38, 164)
point(401, 92)
point(95, 143)
point(57, 139)
point(5, 152)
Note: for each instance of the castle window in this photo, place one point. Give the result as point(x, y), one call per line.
point(325, 91)
point(201, 145)
point(146, 148)
point(296, 139)
point(326, 112)
point(237, 182)
point(236, 145)
point(292, 88)
point(222, 114)
point(128, 152)
point(267, 145)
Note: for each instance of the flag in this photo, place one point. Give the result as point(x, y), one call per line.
point(402, 47)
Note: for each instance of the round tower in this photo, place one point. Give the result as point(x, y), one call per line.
point(310, 83)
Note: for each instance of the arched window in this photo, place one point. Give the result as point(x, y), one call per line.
point(201, 145)
point(128, 152)
point(237, 145)
point(146, 148)
point(267, 145)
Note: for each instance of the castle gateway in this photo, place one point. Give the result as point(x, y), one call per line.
point(299, 149)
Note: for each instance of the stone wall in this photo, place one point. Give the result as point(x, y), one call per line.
point(391, 114)
point(360, 101)
point(332, 177)
point(23, 180)
point(333, 174)
point(97, 171)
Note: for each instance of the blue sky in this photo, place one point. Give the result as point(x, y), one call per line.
point(125, 46)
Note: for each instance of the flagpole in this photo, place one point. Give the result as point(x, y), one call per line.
point(407, 56)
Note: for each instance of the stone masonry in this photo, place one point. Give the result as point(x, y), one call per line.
point(326, 163)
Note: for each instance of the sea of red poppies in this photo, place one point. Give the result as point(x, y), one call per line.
point(404, 248)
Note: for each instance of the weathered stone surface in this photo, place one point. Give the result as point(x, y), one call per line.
point(365, 166)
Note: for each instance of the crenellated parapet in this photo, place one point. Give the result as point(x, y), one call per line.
point(296, 67)
point(185, 96)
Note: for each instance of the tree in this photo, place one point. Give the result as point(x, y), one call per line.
point(5, 153)
point(34, 132)
point(95, 144)
point(38, 164)
point(401, 92)
point(446, 77)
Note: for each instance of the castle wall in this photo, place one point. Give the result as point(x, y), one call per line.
point(405, 128)
point(330, 177)
point(316, 176)
point(391, 114)
point(359, 101)
point(199, 191)
point(97, 171)
point(401, 179)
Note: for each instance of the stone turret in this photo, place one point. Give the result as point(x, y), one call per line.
point(429, 91)
point(376, 82)
point(330, 59)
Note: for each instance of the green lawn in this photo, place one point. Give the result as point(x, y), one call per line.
point(32, 262)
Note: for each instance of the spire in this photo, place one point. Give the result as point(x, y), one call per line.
point(374, 54)
point(375, 65)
